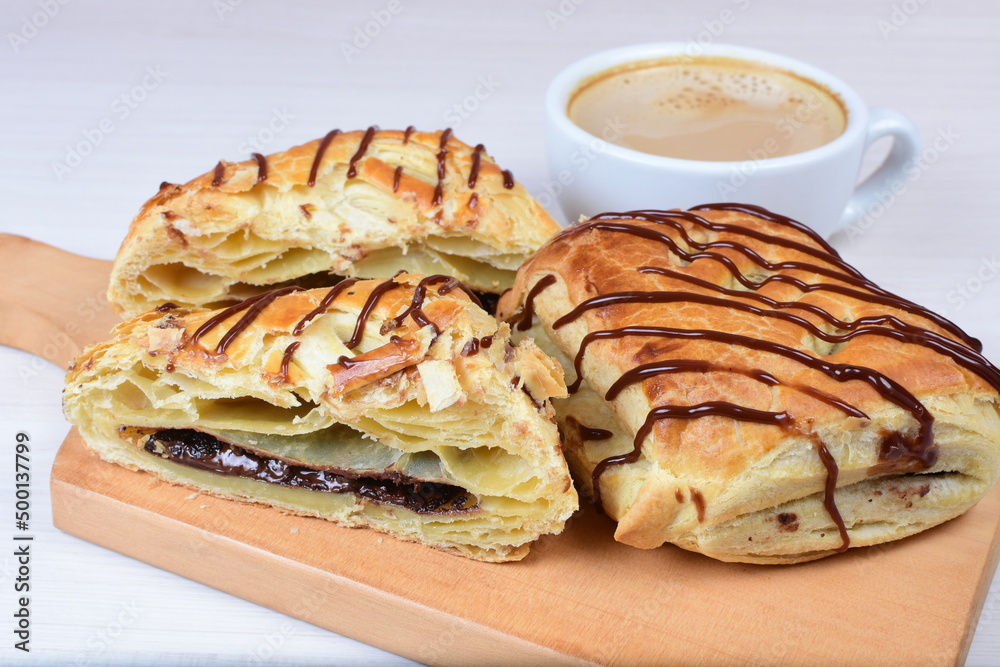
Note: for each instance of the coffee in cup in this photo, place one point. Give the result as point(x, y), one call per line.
point(708, 108)
point(721, 138)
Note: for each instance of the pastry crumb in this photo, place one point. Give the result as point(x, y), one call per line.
point(294, 530)
point(191, 497)
point(204, 506)
point(380, 540)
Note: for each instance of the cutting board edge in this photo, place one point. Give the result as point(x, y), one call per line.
point(982, 592)
point(469, 643)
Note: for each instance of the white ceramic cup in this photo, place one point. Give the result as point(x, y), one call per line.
point(819, 187)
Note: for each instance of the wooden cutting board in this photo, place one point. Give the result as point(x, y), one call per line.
point(578, 597)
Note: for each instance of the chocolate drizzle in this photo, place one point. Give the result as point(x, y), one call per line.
point(256, 304)
point(218, 176)
point(320, 150)
point(672, 219)
point(665, 367)
point(442, 154)
point(719, 408)
point(666, 239)
point(587, 433)
point(477, 156)
point(872, 294)
point(922, 449)
point(958, 353)
point(220, 171)
point(347, 362)
point(352, 169)
point(472, 347)
point(286, 359)
point(202, 451)
point(770, 216)
point(253, 307)
point(366, 311)
point(524, 319)
point(866, 322)
point(669, 366)
point(414, 309)
point(416, 303)
point(699, 503)
point(261, 167)
point(899, 451)
point(330, 297)
point(829, 502)
point(477, 298)
point(439, 189)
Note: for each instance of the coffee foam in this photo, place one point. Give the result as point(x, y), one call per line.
point(708, 109)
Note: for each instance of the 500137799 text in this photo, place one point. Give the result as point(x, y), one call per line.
point(22, 543)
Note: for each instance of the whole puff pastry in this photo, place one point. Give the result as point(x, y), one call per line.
point(744, 393)
point(395, 404)
point(362, 203)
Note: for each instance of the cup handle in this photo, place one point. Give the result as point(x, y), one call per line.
point(905, 146)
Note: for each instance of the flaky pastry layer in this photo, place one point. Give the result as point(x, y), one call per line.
point(361, 203)
point(744, 393)
point(405, 383)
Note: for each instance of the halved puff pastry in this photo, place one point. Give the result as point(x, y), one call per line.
point(743, 392)
point(395, 404)
point(362, 203)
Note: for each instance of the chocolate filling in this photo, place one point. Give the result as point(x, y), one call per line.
point(488, 300)
point(205, 452)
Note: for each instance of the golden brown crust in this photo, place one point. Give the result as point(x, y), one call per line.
point(226, 234)
point(403, 387)
point(743, 472)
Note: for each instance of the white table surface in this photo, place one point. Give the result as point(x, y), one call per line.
point(230, 68)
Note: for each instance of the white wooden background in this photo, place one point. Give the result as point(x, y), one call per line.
point(232, 72)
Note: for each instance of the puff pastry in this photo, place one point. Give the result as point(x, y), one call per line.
point(395, 404)
point(362, 204)
point(742, 392)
